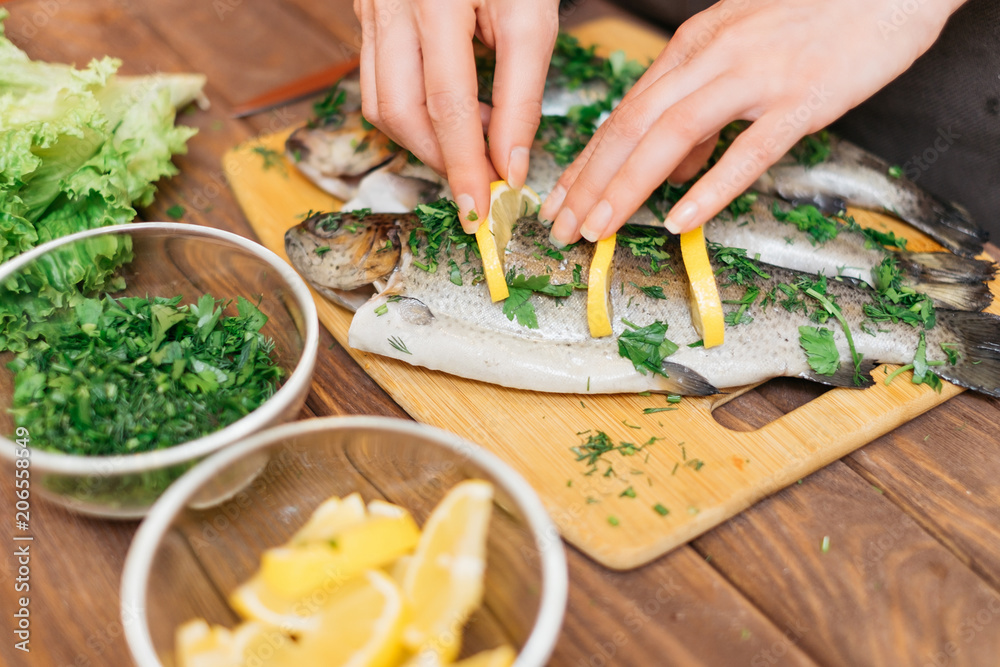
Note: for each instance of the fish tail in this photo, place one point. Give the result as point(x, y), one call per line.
point(951, 226)
point(945, 267)
point(975, 338)
point(956, 296)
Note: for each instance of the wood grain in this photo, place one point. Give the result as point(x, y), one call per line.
point(914, 595)
point(740, 468)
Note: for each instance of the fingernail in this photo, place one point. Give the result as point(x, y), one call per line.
point(467, 213)
point(564, 226)
point(679, 217)
point(552, 203)
point(559, 245)
point(674, 184)
point(596, 222)
point(517, 167)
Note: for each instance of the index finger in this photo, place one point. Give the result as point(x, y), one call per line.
point(453, 105)
point(524, 48)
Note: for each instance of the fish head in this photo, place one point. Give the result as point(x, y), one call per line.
point(346, 256)
point(343, 148)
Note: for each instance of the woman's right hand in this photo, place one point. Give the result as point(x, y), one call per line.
point(419, 86)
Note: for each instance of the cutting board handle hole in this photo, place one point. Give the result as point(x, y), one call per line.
point(750, 409)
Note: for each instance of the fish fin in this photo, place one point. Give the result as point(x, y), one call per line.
point(349, 299)
point(945, 267)
point(953, 228)
point(956, 296)
point(977, 340)
point(844, 377)
point(684, 381)
point(414, 311)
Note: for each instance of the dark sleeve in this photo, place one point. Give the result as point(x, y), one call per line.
point(940, 120)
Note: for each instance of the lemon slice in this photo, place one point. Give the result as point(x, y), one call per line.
point(502, 656)
point(298, 571)
point(493, 235)
point(361, 627)
point(444, 582)
point(202, 645)
point(330, 518)
point(706, 307)
point(598, 284)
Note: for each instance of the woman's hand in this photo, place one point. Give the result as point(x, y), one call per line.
point(790, 66)
point(419, 85)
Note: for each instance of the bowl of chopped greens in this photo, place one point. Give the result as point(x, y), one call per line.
point(359, 540)
point(129, 353)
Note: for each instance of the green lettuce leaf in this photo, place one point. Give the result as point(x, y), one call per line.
point(79, 149)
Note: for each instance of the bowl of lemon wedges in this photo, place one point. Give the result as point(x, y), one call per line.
point(358, 541)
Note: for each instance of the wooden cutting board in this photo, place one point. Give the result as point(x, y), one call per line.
point(699, 471)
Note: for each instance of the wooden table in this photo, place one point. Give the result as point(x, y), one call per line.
point(912, 573)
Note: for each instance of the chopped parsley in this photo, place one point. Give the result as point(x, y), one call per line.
point(809, 219)
point(176, 212)
point(518, 304)
point(660, 509)
point(440, 230)
point(820, 348)
point(736, 267)
point(117, 376)
point(895, 302)
point(646, 347)
point(573, 67)
point(830, 307)
point(652, 291)
point(454, 274)
point(322, 250)
point(740, 315)
point(271, 158)
point(327, 110)
point(812, 149)
point(645, 242)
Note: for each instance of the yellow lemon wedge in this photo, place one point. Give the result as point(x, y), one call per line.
point(298, 571)
point(493, 235)
point(502, 656)
point(444, 582)
point(201, 645)
point(598, 284)
point(361, 626)
point(256, 601)
point(330, 518)
point(706, 307)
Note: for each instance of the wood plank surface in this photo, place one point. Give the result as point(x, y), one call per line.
point(724, 608)
point(620, 532)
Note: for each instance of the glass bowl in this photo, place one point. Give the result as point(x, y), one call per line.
point(190, 553)
point(153, 259)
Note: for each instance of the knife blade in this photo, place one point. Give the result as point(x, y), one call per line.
point(296, 90)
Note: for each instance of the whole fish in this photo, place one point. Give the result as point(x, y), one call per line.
point(831, 172)
point(422, 300)
point(820, 244)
